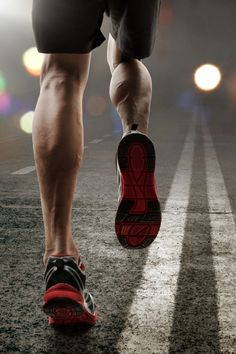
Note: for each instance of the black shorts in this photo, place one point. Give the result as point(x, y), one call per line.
point(73, 26)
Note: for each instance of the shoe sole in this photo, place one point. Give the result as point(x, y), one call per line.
point(64, 305)
point(138, 217)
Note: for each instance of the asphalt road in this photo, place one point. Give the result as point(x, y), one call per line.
point(178, 296)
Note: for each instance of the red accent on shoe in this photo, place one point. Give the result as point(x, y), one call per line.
point(82, 266)
point(64, 291)
point(65, 305)
point(71, 320)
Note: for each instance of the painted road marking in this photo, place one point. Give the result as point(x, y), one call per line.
point(223, 234)
point(24, 171)
point(106, 135)
point(95, 141)
point(149, 321)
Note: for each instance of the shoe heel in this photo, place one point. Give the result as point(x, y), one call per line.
point(64, 305)
point(138, 217)
point(138, 140)
point(63, 301)
point(62, 290)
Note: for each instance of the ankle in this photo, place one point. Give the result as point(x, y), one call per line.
point(127, 130)
point(61, 252)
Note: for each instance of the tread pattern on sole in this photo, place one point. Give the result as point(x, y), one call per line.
point(138, 217)
point(65, 308)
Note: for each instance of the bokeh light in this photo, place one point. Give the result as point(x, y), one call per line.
point(5, 102)
point(96, 106)
point(2, 83)
point(166, 14)
point(26, 122)
point(33, 61)
point(207, 77)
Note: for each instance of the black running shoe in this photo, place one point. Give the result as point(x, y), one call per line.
point(66, 299)
point(138, 217)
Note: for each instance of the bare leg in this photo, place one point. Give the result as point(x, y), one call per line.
point(138, 214)
point(130, 88)
point(58, 145)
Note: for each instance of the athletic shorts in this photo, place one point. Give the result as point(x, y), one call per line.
point(73, 26)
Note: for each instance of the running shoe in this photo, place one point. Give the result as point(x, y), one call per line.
point(66, 299)
point(138, 217)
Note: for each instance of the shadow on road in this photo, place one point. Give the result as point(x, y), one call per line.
point(195, 326)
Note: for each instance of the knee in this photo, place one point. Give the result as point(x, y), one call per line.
point(114, 54)
point(112, 51)
point(59, 69)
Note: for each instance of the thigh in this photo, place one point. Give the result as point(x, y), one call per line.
point(67, 26)
point(134, 25)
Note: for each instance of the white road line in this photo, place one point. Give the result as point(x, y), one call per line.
point(223, 233)
point(106, 135)
point(95, 141)
point(24, 171)
point(150, 318)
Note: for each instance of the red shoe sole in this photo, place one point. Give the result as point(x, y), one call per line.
point(64, 305)
point(138, 217)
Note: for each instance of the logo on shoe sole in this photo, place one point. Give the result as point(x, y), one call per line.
point(135, 230)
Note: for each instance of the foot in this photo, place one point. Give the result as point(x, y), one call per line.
point(138, 217)
point(66, 299)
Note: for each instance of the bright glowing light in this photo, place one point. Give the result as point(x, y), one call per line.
point(26, 122)
point(207, 77)
point(5, 102)
point(2, 83)
point(96, 105)
point(19, 9)
point(33, 61)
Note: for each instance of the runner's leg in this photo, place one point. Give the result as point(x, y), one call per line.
point(130, 88)
point(58, 145)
